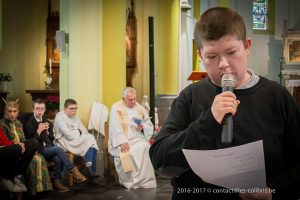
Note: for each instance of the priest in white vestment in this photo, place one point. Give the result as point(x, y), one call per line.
point(130, 130)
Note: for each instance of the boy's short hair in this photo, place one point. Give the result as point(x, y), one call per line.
point(126, 91)
point(218, 22)
point(38, 101)
point(69, 102)
point(13, 104)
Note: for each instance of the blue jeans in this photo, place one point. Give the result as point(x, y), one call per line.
point(60, 159)
point(90, 156)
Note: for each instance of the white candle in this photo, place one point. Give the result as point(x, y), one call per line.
point(50, 66)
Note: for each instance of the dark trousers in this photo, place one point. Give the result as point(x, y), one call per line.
point(60, 159)
point(31, 147)
point(10, 156)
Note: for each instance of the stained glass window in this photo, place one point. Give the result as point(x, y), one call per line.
point(260, 14)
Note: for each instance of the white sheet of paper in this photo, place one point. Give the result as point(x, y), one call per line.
point(239, 167)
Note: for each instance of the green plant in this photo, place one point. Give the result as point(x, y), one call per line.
point(5, 77)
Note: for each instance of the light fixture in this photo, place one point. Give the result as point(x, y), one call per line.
point(62, 38)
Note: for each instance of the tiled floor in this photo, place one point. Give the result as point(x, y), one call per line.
point(110, 192)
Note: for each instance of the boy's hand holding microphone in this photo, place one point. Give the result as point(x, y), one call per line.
point(42, 126)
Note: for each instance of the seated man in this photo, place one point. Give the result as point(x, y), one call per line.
point(71, 135)
point(129, 131)
point(38, 126)
point(32, 164)
point(10, 155)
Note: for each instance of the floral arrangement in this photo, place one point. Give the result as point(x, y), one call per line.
point(5, 77)
point(52, 103)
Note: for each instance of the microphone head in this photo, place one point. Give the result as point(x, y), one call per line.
point(228, 80)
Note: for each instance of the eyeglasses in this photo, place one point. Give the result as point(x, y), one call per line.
point(39, 108)
point(72, 109)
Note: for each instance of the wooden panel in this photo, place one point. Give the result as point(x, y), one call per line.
point(52, 54)
point(42, 94)
point(296, 95)
point(55, 76)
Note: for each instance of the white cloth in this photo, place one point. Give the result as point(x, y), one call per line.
point(294, 83)
point(98, 117)
point(143, 176)
point(71, 135)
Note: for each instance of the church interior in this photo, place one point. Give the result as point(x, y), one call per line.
point(90, 50)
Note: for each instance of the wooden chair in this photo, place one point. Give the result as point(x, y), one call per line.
point(110, 160)
point(96, 126)
point(68, 178)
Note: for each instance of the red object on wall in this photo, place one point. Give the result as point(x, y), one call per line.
point(196, 76)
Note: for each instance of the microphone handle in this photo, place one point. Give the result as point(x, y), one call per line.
point(226, 137)
point(227, 88)
point(227, 128)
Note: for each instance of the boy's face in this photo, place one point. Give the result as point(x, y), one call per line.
point(226, 55)
point(39, 109)
point(11, 113)
point(71, 110)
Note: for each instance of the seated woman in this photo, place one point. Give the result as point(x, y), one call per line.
point(36, 176)
point(38, 126)
point(10, 155)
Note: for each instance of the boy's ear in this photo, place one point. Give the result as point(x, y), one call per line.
point(248, 45)
point(199, 53)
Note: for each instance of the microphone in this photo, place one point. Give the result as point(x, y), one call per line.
point(227, 84)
